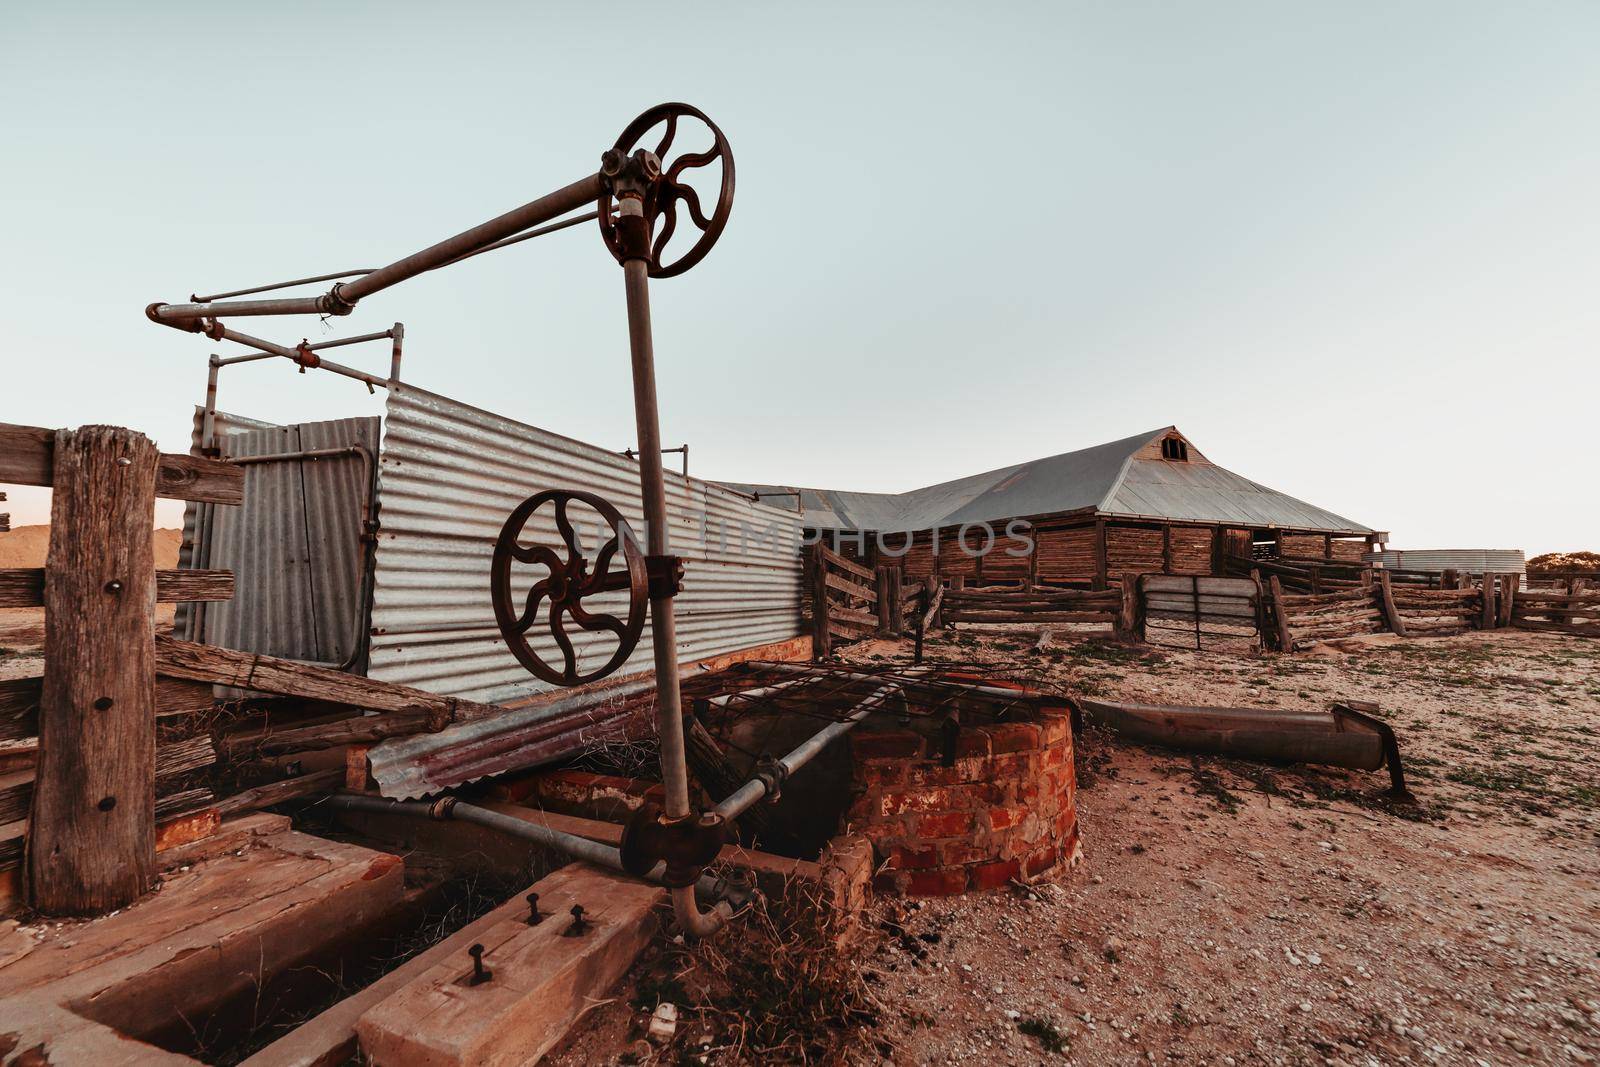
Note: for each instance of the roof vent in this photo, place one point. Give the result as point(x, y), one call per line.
point(1175, 448)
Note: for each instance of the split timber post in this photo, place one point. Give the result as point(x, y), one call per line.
point(1281, 614)
point(890, 616)
point(1130, 621)
point(1391, 614)
point(897, 608)
point(1508, 595)
point(1486, 621)
point(820, 648)
point(91, 831)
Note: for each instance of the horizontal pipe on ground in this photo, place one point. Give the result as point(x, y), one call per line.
point(579, 848)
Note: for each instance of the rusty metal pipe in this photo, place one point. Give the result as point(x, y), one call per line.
point(584, 191)
point(579, 848)
point(172, 314)
point(663, 624)
point(294, 355)
point(336, 276)
point(398, 334)
point(746, 796)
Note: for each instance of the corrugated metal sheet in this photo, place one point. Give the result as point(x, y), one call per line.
point(294, 545)
point(1105, 477)
point(1467, 560)
point(449, 476)
point(197, 517)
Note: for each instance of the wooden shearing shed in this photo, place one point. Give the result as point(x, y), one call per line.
point(1148, 503)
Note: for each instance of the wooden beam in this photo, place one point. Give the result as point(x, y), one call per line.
point(277, 792)
point(1486, 619)
point(1281, 613)
point(1391, 614)
point(361, 729)
point(19, 703)
point(282, 677)
point(23, 587)
point(27, 458)
point(91, 841)
point(1508, 597)
point(1100, 552)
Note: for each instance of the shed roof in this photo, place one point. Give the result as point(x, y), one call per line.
point(1126, 478)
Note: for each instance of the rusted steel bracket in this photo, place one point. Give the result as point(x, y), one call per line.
point(1391, 749)
point(687, 845)
point(665, 576)
point(772, 773)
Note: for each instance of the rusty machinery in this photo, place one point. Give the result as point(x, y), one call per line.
point(641, 199)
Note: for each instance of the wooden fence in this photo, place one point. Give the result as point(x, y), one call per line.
point(97, 785)
point(844, 600)
point(1576, 610)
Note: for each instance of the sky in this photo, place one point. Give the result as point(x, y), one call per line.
point(1350, 249)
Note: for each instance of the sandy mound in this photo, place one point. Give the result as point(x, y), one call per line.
point(26, 547)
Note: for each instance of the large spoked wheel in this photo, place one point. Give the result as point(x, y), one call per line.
point(567, 584)
point(672, 190)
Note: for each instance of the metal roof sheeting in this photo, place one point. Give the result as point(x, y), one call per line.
point(450, 474)
point(1107, 478)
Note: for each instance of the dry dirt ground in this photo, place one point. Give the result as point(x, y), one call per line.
point(1232, 913)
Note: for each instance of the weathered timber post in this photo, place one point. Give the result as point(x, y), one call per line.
point(1391, 614)
point(897, 612)
point(1260, 605)
point(91, 831)
point(1508, 595)
point(820, 648)
point(1130, 618)
point(1486, 620)
point(1450, 579)
point(1285, 638)
point(886, 590)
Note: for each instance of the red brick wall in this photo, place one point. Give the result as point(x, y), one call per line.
point(1006, 809)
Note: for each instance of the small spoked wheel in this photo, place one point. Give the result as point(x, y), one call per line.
point(673, 190)
point(554, 601)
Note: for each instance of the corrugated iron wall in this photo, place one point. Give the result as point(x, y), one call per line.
point(294, 545)
point(1466, 560)
point(449, 476)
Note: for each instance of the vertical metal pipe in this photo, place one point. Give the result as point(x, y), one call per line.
point(663, 624)
point(399, 336)
point(208, 418)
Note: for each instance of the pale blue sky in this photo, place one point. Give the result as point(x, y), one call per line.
point(1351, 249)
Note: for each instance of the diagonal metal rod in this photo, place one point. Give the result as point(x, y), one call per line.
point(341, 299)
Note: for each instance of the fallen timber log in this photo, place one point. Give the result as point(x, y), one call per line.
point(363, 729)
point(1340, 737)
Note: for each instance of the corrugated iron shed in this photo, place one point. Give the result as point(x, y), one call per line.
point(1109, 478)
point(449, 476)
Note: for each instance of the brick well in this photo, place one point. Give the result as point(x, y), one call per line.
point(1006, 809)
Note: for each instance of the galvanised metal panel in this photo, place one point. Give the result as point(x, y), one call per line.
point(193, 551)
point(294, 544)
point(450, 474)
point(1466, 560)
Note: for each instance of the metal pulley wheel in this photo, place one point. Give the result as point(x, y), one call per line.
point(669, 191)
point(569, 582)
